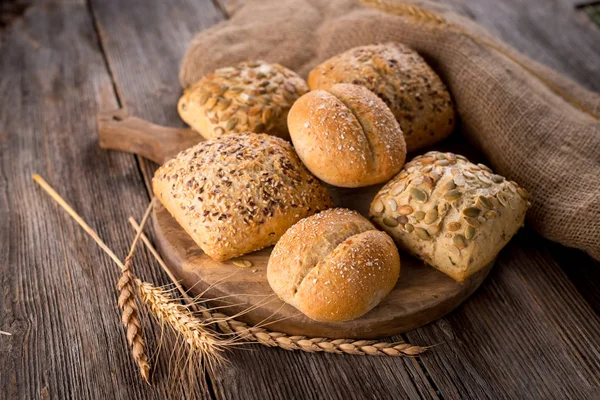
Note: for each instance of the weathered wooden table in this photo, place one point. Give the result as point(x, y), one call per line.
point(531, 331)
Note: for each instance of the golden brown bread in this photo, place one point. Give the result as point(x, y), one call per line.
point(333, 266)
point(253, 96)
point(347, 136)
point(402, 79)
point(238, 193)
point(451, 213)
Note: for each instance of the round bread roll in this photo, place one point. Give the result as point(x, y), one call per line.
point(238, 193)
point(402, 79)
point(454, 215)
point(333, 266)
point(252, 96)
point(347, 136)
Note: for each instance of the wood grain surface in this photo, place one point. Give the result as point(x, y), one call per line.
point(531, 331)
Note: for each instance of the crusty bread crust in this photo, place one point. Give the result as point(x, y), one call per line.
point(253, 96)
point(402, 79)
point(334, 266)
point(238, 193)
point(347, 136)
point(451, 213)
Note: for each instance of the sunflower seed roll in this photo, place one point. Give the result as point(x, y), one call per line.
point(238, 193)
point(453, 214)
point(253, 96)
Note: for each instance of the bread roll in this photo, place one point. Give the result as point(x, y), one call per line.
point(454, 215)
point(238, 193)
point(402, 79)
point(347, 136)
point(333, 266)
point(253, 96)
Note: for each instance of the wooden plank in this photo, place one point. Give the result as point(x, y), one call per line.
point(57, 296)
point(155, 47)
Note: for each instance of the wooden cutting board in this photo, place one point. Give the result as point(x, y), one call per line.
point(421, 295)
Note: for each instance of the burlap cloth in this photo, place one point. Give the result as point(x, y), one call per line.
point(520, 114)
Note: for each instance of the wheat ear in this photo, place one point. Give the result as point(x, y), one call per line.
point(130, 311)
point(278, 339)
point(417, 13)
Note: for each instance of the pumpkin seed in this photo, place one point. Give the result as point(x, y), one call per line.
point(223, 103)
point(451, 157)
point(460, 242)
point(454, 226)
point(266, 115)
point(402, 220)
point(409, 228)
point(392, 204)
point(419, 215)
point(471, 212)
point(502, 198)
point(203, 98)
point(242, 263)
point(254, 110)
point(474, 222)
point(422, 234)
point(236, 89)
point(469, 232)
point(433, 230)
point(391, 222)
point(452, 195)
point(450, 185)
point(484, 167)
point(231, 123)
point(405, 210)
point(430, 216)
point(418, 194)
point(442, 163)
point(490, 214)
point(484, 179)
point(523, 193)
point(484, 202)
point(378, 207)
point(211, 103)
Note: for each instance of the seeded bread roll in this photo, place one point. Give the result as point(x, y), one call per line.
point(347, 136)
point(333, 266)
point(238, 193)
point(451, 213)
point(253, 96)
point(402, 79)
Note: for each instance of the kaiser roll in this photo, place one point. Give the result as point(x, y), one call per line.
point(402, 79)
point(333, 266)
point(347, 136)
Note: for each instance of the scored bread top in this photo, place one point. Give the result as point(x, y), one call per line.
point(253, 96)
point(402, 79)
point(238, 193)
point(347, 136)
point(333, 266)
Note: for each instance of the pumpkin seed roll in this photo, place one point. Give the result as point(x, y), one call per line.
point(451, 213)
point(253, 96)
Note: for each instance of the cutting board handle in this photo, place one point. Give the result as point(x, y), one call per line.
point(118, 130)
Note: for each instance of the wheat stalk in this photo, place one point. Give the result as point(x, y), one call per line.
point(421, 15)
point(130, 312)
point(278, 339)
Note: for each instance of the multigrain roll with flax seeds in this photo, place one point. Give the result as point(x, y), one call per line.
point(253, 96)
point(334, 266)
point(238, 193)
point(402, 79)
point(347, 136)
point(453, 214)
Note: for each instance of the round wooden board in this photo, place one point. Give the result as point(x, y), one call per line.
point(421, 295)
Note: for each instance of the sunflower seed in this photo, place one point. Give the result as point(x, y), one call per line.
point(460, 242)
point(454, 226)
point(430, 216)
point(523, 193)
point(484, 179)
point(452, 195)
point(405, 210)
point(221, 89)
point(236, 89)
point(471, 212)
point(419, 215)
point(391, 222)
point(409, 228)
point(254, 110)
point(433, 230)
point(469, 232)
point(266, 115)
point(468, 174)
point(422, 234)
point(418, 194)
point(484, 167)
